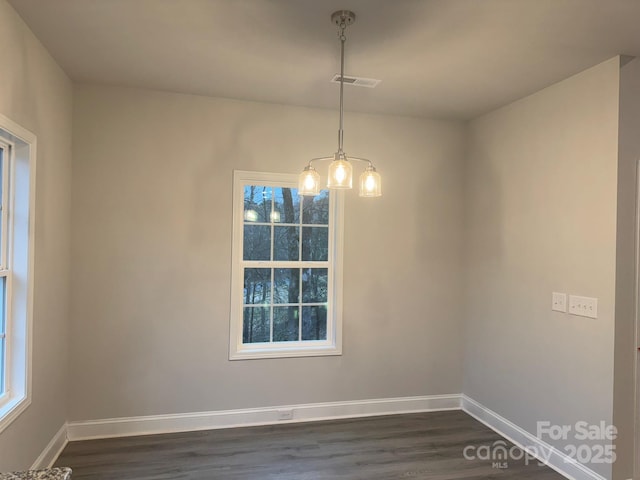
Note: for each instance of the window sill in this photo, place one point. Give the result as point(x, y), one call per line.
point(11, 409)
point(248, 353)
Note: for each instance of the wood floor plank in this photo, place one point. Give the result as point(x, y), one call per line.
point(422, 446)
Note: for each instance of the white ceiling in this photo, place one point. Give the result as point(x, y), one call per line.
point(436, 58)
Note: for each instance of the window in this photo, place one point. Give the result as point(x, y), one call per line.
point(4, 271)
point(17, 165)
point(286, 273)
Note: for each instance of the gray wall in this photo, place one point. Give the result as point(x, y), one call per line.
point(625, 353)
point(531, 208)
point(35, 93)
point(541, 213)
point(151, 241)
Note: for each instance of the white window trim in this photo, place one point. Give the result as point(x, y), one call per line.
point(333, 344)
point(7, 149)
point(20, 256)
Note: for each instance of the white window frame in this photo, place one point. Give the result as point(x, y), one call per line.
point(333, 344)
point(6, 150)
point(16, 265)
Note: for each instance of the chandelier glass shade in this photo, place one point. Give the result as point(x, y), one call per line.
point(370, 183)
point(340, 174)
point(309, 182)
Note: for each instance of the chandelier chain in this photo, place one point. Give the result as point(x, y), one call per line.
point(341, 29)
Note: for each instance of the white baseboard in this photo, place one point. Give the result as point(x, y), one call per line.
point(557, 460)
point(53, 450)
point(157, 424)
point(123, 427)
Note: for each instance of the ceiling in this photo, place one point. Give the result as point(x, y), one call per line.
point(436, 58)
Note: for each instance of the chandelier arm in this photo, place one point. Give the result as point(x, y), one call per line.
point(346, 157)
point(360, 159)
point(318, 159)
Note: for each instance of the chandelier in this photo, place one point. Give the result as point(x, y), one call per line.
point(340, 169)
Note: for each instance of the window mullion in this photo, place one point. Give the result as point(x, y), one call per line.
point(271, 257)
point(283, 264)
point(271, 312)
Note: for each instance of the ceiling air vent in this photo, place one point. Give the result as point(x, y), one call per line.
point(356, 81)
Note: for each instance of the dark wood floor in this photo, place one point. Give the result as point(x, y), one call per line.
point(416, 446)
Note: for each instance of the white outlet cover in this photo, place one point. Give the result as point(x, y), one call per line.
point(559, 302)
point(583, 306)
point(286, 414)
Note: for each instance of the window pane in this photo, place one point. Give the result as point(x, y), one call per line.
point(286, 241)
point(257, 286)
point(314, 285)
point(3, 331)
point(3, 294)
point(285, 324)
point(255, 326)
point(315, 244)
point(2, 153)
point(314, 323)
point(286, 285)
point(315, 210)
point(257, 203)
point(257, 242)
point(2, 363)
point(287, 205)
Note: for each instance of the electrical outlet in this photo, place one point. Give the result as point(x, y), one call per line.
point(583, 306)
point(559, 302)
point(286, 414)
